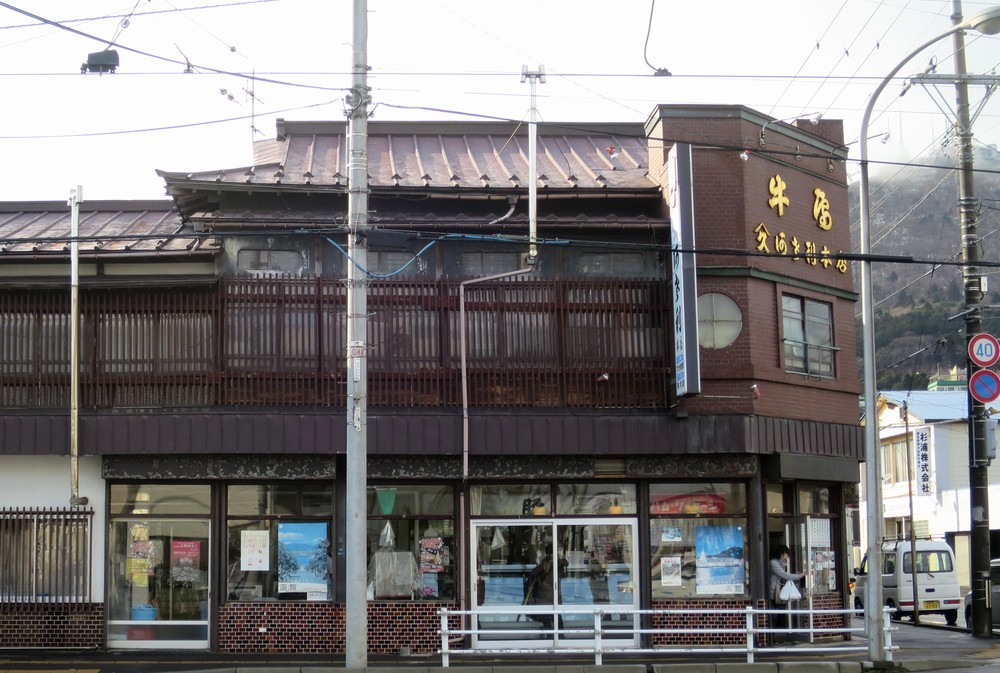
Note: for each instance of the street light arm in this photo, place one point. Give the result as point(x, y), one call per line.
point(874, 617)
point(866, 118)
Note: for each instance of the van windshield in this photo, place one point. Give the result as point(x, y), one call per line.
point(928, 562)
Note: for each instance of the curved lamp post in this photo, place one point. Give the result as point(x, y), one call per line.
point(988, 23)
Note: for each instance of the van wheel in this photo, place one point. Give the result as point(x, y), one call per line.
point(951, 616)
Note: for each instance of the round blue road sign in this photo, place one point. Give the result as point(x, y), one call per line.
point(985, 385)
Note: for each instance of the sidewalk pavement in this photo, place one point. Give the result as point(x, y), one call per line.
point(921, 648)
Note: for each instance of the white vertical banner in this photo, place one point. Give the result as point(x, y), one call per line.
point(684, 281)
point(922, 475)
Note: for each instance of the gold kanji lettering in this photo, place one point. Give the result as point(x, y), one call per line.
point(811, 253)
point(842, 265)
point(821, 210)
point(780, 244)
point(826, 257)
point(762, 236)
point(776, 186)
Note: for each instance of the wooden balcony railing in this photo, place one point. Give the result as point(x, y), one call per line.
point(280, 341)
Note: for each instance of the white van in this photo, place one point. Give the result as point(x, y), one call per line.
point(937, 579)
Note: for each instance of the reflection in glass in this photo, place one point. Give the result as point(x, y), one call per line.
point(698, 557)
point(551, 577)
point(510, 500)
point(158, 585)
point(697, 498)
point(595, 499)
point(143, 499)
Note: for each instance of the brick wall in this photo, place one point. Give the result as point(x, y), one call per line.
point(682, 620)
point(319, 627)
point(830, 602)
point(731, 621)
point(52, 626)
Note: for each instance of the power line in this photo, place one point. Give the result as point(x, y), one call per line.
point(225, 5)
point(185, 64)
point(156, 129)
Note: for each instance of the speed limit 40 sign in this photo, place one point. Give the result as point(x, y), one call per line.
point(984, 351)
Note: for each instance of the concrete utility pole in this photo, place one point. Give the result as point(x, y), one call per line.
point(356, 521)
point(978, 462)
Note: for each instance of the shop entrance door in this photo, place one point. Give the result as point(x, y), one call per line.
point(158, 589)
point(811, 545)
point(524, 601)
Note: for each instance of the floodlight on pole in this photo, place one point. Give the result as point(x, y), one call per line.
point(813, 117)
point(986, 22)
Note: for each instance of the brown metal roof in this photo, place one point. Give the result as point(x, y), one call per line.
point(41, 229)
point(444, 156)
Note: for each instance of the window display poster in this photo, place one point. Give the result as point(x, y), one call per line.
point(824, 575)
point(254, 552)
point(819, 533)
point(719, 552)
point(671, 534)
point(670, 571)
point(185, 559)
point(431, 555)
point(302, 566)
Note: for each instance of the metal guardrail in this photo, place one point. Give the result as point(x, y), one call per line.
point(757, 627)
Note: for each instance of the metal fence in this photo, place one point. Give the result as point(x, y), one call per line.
point(600, 640)
point(45, 556)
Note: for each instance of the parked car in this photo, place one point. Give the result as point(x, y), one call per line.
point(994, 596)
point(937, 579)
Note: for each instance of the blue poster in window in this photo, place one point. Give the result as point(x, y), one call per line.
point(302, 560)
point(720, 567)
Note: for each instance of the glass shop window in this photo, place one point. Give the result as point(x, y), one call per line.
point(412, 552)
point(279, 541)
point(595, 499)
point(698, 540)
point(510, 500)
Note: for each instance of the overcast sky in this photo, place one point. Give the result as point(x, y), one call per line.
point(110, 133)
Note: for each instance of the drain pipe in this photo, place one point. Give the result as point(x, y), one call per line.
point(75, 197)
point(512, 200)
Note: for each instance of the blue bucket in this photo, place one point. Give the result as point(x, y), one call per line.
point(143, 613)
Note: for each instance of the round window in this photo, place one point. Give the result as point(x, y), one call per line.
point(720, 320)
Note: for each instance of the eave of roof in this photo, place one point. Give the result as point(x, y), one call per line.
point(120, 230)
point(439, 159)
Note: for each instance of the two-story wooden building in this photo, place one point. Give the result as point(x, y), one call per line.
point(667, 392)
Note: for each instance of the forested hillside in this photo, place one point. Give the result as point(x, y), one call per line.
point(915, 213)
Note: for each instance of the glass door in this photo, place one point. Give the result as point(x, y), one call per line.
point(541, 581)
point(811, 545)
point(158, 589)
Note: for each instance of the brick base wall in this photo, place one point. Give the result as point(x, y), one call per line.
point(319, 627)
point(732, 621)
point(699, 620)
point(52, 627)
point(830, 602)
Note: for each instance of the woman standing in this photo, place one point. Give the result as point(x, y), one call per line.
point(778, 574)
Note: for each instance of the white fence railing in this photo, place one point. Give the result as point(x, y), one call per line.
point(601, 638)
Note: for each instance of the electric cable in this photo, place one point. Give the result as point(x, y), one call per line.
point(185, 64)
